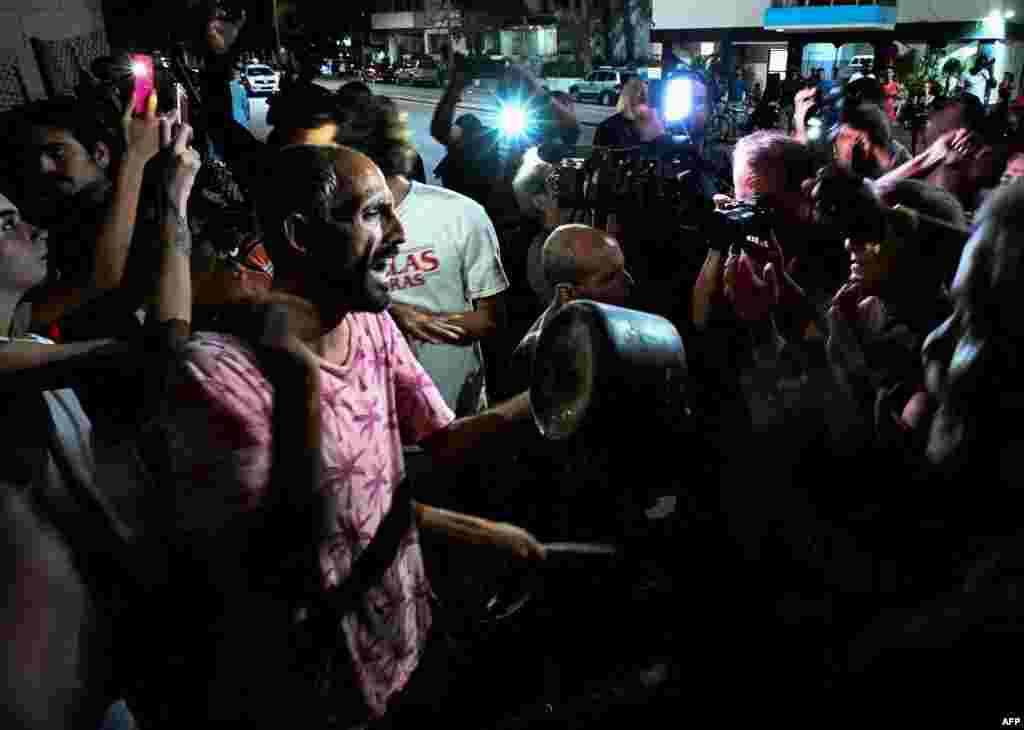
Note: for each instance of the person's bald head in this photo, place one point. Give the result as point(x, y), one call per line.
point(581, 262)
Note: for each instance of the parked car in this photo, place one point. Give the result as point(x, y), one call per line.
point(260, 79)
point(858, 64)
point(424, 71)
point(601, 85)
point(401, 74)
point(487, 67)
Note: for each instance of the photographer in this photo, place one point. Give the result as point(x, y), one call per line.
point(894, 296)
point(480, 159)
point(861, 141)
point(771, 166)
point(635, 122)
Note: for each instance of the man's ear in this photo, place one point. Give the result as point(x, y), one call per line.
point(101, 155)
point(294, 228)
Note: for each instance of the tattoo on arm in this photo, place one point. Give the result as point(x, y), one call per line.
point(182, 238)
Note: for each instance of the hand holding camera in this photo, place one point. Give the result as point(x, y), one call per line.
point(183, 166)
point(752, 279)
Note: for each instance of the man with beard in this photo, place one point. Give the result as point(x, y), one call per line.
point(84, 162)
point(331, 232)
point(447, 281)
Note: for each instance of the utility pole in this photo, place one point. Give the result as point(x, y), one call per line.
point(277, 30)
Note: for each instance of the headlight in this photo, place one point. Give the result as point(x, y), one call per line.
point(513, 121)
point(677, 100)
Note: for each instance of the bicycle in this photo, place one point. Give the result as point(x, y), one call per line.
point(725, 122)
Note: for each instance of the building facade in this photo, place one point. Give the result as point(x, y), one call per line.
point(26, 25)
point(759, 39)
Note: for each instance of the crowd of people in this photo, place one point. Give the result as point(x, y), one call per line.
point(257, 392)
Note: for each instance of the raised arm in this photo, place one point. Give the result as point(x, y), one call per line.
point(114, 236)
point(951, 148)
point(564, 113)
point(441, 126)
point(174, 285)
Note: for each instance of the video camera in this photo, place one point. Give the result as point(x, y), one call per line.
point(824, 115)
point(827, 112)
point(662, 180)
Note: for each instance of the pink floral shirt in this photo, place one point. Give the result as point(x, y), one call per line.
point(378, 401)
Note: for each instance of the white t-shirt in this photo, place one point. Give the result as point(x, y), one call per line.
point(74, 429)
point(450, 258)
point(976, 84)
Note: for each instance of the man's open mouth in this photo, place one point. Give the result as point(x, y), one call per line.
point(382, 258)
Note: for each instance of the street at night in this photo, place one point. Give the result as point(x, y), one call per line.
point(684, 393)
point(419, 104)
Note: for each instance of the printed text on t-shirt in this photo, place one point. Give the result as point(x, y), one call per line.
point(409, 268)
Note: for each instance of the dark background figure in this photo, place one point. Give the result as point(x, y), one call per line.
point(634, 123)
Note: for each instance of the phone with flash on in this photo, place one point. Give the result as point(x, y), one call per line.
point(144, 73)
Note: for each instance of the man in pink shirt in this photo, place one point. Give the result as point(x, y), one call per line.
point(331, 229)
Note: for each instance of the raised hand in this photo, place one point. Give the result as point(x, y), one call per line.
point(423, 325)
point(752, 281)
point(141, 133)
point(182, 169)
point(802, 103)
point(847, 300)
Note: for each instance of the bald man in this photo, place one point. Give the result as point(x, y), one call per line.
point(579, 262)
point(331, 230)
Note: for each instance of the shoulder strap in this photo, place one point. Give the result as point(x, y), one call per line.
point(376, 558)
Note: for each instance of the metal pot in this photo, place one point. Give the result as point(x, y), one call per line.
point(593, 359)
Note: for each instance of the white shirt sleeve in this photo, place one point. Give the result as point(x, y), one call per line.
point(482, 270)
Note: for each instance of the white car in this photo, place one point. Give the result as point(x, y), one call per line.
point(424, 71)
point(857, 68)
point(601, 86)
point(259, 79)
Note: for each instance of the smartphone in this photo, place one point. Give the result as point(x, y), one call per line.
point(144, 72)
point(183, 115)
